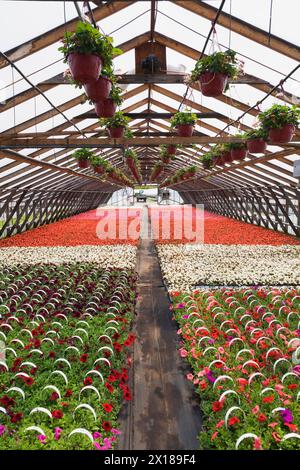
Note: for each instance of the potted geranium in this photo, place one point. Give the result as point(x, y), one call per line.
point(99, 164)
point(86, 50)
point(107, 107)
point(115, 125)
point(213, 72)
point(133, 163)
point(101, 88)
point(238, 150)
point(207, 161)
point(280, 121)
point(169, 149)
point(83, 156)
point(184, 123)
point(256, 140)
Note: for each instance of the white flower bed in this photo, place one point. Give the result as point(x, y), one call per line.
point(186, 266)
point(118, 256)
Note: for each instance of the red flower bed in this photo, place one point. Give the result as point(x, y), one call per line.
point(88, 228)
point(173, 225)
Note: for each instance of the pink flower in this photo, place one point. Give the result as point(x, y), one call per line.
point(107, 443)
point(57, 433)
point(190, 377)
point(272, 425)
point(183, 352)
point(97, 435)
point(116, 432)
point(220, 423)
point(257, 444)
point(42, 438)
point(255, 410)
point(2, 429)
point(214, 435)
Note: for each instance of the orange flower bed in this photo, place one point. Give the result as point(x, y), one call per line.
point(109, 227)
point(174, 225)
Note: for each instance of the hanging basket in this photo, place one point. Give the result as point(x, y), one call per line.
point(171, 149)
point(213, 83)
point(166, 159)
point(257, 145)
point(115, 132)
point(185, 130)
point(99, 169)
point(282, 135)
point(98, 90)
point(85, 68)
point(238, 154)
point(206, 164)
point(83, 163)
point(105, 108)
point(226, 157)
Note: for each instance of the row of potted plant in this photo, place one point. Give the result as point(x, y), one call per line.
point(86, 157)
point(180, 175)
point(243, 347)
point(67, 345)
point(89, 54)
point(167, 153)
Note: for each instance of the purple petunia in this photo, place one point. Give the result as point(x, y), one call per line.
point(286, 415)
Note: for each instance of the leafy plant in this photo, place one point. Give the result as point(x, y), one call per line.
point(259, 133)
point(219, 62)
point(279, 115)
point(116, 94)
point(237, 145)
point(99, 161)
point(118, 120)
point(207, 159)
point(130, 153)
point(183, 118)
point(82, 154)
point(89, 40)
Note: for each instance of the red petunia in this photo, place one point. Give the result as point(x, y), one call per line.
point(268, 399)
point(68, 393)
point(28, 381)
point(54, 396)
point(217, 406)
point(109, 387)
point(106, 426)
point(108, 408)
point(262, 418)
point(117, 347)
point(16, 417)
point(234, 420)
point(84, 358)
point(127, 395)
point(88, 381)
point(58, 414)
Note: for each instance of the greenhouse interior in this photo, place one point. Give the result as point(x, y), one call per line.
point(150, 226)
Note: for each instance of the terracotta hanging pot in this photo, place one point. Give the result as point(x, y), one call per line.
point(98, 90)
point(282, 135)
point(83, 163)
point(257, 145)
point(85, 68)
point(99, 169)
point(238, 153)
point(226, 157)
point(166, 159)
point(213, 83)
point(171, 149)
point(105, 108)
point(115, 132)
point(185, 130)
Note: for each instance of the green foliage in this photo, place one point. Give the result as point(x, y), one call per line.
point(116, 94)
point(130, 153)
point(183, 118)
point(221, 62)
point(237, 145)
point(118, 120)
point(82, 154)
point(89, 40)
point(279, 115)
point(259, 133)
point(99, 161)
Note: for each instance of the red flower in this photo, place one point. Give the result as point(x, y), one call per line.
point(57, 414)
point(117, 347)
point(106, 426)
point(15, 418)
point(28, 381)
point(7, 401)
point(54, 396)
point(292, 386)
point(88, 381)
point(234, 420)
point(127, 343)
point(108, 408)
point(127, 395)
point(109, 387)
point(268, 399)
point(84, 358)
point(217, 406)
point(262, 417)
point(52, 354)
point(68, 393)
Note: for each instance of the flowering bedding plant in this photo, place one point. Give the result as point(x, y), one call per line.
point(67, 340)
point(244, 350)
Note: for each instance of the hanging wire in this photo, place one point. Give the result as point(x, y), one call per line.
point(212, 29)
point(130, 21)
point(230, 21)
point(270, 21)
point(14, 107)
point(35, 123)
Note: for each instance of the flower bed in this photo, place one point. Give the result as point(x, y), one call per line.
point(217, 229)
point(67, 335)
point(89, 228)
point(186, 266)
point(243, 347)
